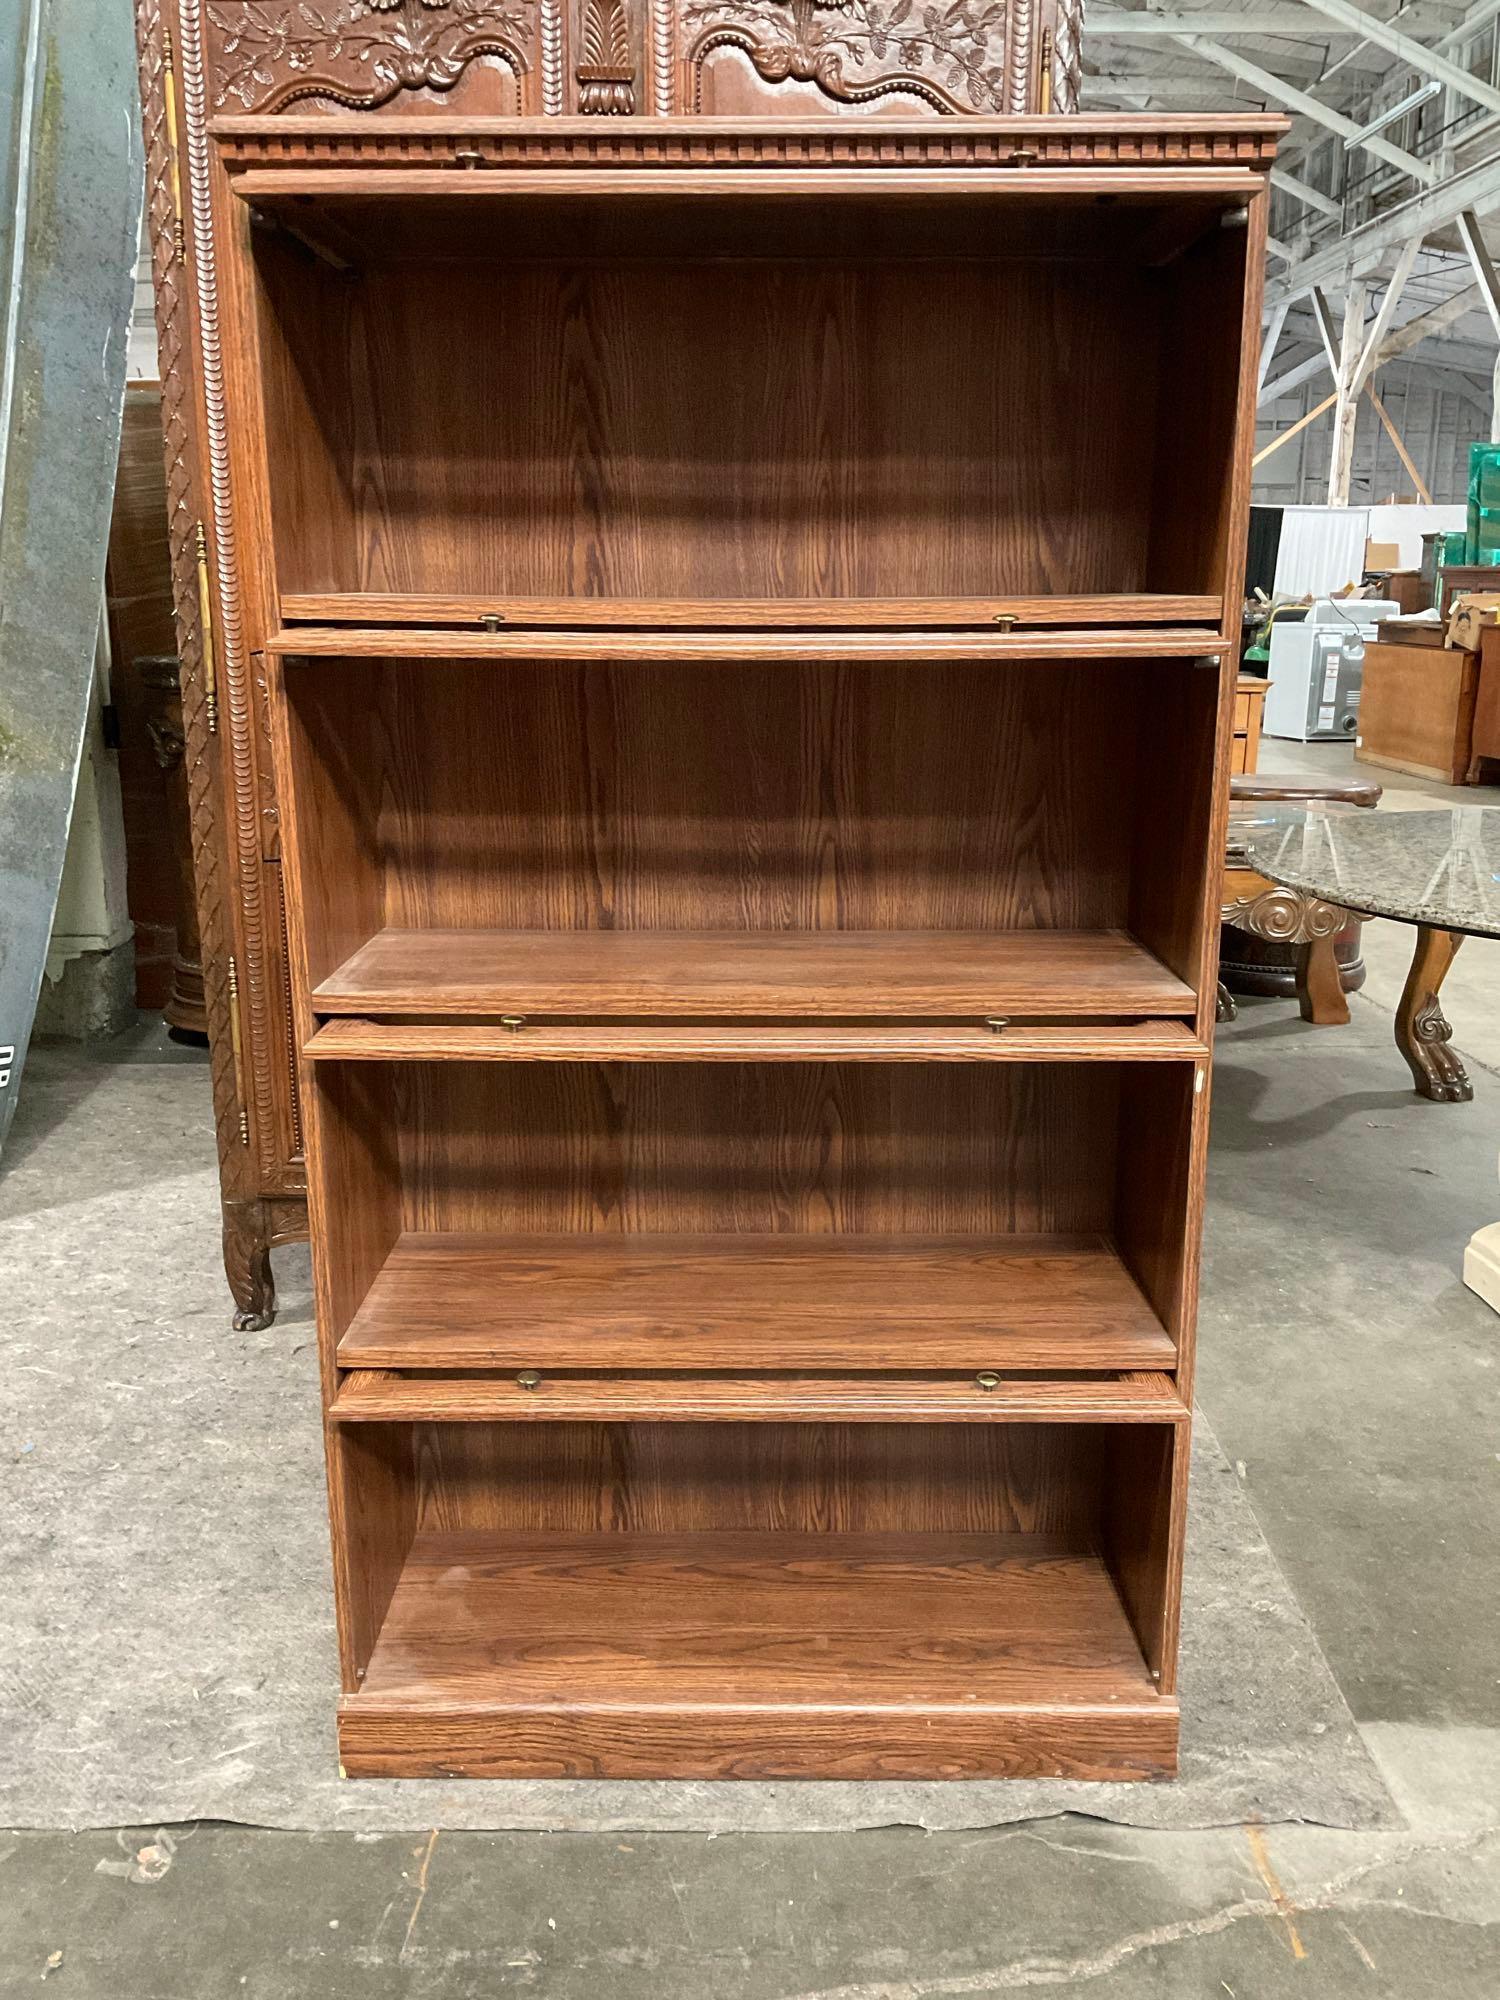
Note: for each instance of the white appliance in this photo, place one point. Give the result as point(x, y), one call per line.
point(1317, 669)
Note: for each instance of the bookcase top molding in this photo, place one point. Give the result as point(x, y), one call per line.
point(1244, 143)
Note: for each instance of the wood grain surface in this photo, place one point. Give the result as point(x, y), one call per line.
point(990, 1149)
point(858, 642)
point(836, 622)
point(752, 1302)
point(680, 797)
point(650, 1477)
point(623, 519)
point(733, 973)
point(384, 1396)
point(897, 430)
point(779, 1635)
point(351, 1040)
point(844, 1739)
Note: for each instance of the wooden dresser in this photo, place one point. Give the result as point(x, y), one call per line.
point(737, 620)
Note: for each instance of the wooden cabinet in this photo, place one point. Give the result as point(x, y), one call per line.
point(1416, 711)
point(335, 64)
point(1249, 712)
point(739, 618)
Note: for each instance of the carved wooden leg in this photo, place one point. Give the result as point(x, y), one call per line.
point(1422, 1030)
point(1224, 1007)
point(1285, 916)
point(247, 1264)
point(1320, 985)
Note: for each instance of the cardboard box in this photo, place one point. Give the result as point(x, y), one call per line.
point(1382, 556)
point(1468, 615)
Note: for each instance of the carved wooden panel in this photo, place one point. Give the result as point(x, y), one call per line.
point(983, 56)
point(619, 57)
point(263, 55)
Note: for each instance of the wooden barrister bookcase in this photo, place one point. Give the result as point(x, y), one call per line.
point(746, 618)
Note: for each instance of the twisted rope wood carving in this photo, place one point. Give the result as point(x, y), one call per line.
point(551, 37)
point(1067, 55)
point(245, 827)
point(173, 331)
point(664, 54)
point(1018, 55)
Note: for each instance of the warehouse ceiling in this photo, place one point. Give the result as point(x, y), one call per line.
point(1395, 143)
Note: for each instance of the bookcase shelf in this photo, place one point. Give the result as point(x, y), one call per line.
point(798, 974)
point(849, 640)
point(838, 625)
point(384, 1395)
point(988, 418)
point(753, 1303)
point(771, 1655)
point(749, 682)
point(350, 1040)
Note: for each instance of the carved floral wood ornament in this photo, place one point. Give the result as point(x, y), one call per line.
point(953, 56)
point(959, 56)
point(268, 54)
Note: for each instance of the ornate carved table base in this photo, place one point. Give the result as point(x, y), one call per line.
point(1286, 916)
point(1422, 1030)
point(1254, 904)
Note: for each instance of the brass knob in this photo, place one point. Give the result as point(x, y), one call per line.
point(529, 1379)
point(996, 1023)
point(987, 1380)
point(513, 1021)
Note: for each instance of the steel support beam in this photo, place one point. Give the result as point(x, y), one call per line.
point(1370, 352)
point(1292, 378)
point(1119, 26)
point(1327, 331)
point(1437, 319)
point(1489, 292)
point(1484, 270)
point(1341, 459)
point(1309, 197)
point(1435, 208)
point(1269, 339)
point(1416, 55)
point(1281, 92)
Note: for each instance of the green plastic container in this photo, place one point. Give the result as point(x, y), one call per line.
point(1484, 504)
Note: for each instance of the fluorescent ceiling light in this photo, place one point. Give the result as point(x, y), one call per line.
point(1396, 111)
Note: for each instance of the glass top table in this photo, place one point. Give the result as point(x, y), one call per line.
point(1439, 871)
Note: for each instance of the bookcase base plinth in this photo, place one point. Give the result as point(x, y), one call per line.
point(756, 1655)
point(850, 1743)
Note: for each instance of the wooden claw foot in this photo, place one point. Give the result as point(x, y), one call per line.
point(1224, 1007)
point(247, 1264)
point(1422, 1030)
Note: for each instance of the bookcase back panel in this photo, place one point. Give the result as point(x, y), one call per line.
point(747, 798)
point(828, 1478)
point(796, 1147)
point(744, 428)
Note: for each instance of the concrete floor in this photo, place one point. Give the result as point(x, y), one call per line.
point(1352, 1380)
